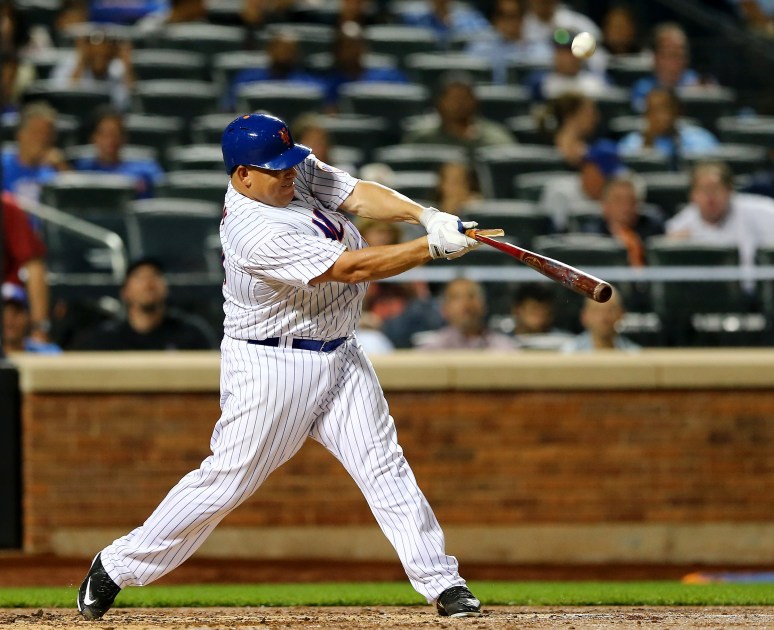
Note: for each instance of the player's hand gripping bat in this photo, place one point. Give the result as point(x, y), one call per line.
point(574, 279)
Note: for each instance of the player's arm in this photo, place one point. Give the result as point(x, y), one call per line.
point(385, 261)
point(374, 201)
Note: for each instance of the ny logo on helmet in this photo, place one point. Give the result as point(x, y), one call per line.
point(284, 134)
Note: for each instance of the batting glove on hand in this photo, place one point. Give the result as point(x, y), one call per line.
point(448, 242)
point(431, 218)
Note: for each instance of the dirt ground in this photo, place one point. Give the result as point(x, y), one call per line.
point(498, 617)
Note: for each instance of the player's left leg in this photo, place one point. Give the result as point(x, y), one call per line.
point(358, 429)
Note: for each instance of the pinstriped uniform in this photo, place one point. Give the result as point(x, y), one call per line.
point(273, 398)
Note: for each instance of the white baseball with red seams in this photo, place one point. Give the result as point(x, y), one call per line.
point(273, 398)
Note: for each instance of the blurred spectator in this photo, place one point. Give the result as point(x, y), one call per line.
point(664, 132)
point(360, 12)
point(758, 15)
point(761, 182)
point(256, 14)
point(626, 219)
point(17, 326)
point(533, 313)
point(17, 35)
point(449, 20)
point(284, 65)
point(124, 11)
point(560, 195)
point(9, 87)
point(507, 43)
point(108, 138)
point(349, 51)
point(457, 186)
point(464, 309)
point(670, 65)
point(718, 215)
point(35, 159)
point(100, 60)
point(545, 17)
point(23, 265)
point(620, 33)
point(600, 321)
point(177, 12)
point(568, 74)
point(458, 122)
point(149, 324)
point(571, 119)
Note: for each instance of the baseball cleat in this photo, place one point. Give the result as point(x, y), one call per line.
point(97, 593)
point(458, 601)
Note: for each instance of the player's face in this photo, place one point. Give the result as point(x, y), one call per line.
point(274, 188)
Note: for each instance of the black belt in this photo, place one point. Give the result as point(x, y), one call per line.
point(302, 344)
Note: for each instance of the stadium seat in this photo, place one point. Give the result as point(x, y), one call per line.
point(414, 184)
point(282, 99)
point(400, 41)
point(522, 221)
point(765, 256)
point(419, 157)
point(501, 102)
point(45, 60)
point(207, 39)
point(427, 68)
point(366, 133)
point(626, 70)
point(707, 103)
point(498, 165)
point(394, 102)
point(526, 129)
point(195, 247)
point(71, 101)
point(225, 66)
point(100, 198)
point(678, 301)
point(529, 186)
point(196, 157)
point(757, 130)
point(226, 12)
point(667, 190)
point(614, 102)
point(519, 71)
point(743, 159)
point(585, 217)
point(323, 62)
point(646, 162)
point(207, 186)
point(208, 129)
point(154, 63)
point(183, 99)
point(311, 38)
point(159, 132)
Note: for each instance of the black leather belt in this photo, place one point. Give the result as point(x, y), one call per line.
point(302, 344)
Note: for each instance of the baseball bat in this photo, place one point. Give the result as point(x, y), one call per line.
point(574, 279)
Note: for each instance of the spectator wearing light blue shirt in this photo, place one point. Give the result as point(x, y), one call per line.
point(448, 20)
point(600, 321)
point(665, 132)
point(35, 159)
point(506, 44)
point(670, 65)
point(108, 139)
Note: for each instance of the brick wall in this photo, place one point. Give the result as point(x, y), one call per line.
point(482, 458)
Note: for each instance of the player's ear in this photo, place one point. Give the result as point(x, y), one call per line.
point(243, 175)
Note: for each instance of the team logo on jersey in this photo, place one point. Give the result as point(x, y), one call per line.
point(284, 135)
point(330, 229)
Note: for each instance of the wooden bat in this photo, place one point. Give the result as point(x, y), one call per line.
point(574, 279)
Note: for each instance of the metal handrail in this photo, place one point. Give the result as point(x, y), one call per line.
point(112, 241)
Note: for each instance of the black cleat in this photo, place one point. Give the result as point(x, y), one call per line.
point(97, 593)
point(458, 601)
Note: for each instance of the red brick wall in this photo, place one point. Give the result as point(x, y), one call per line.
point(106, 460)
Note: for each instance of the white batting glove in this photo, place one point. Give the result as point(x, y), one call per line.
point(432, 217)
point(447, 242)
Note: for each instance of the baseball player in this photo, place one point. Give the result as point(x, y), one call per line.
point(296, 271)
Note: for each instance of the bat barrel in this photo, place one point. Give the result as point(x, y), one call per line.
point(602, 292)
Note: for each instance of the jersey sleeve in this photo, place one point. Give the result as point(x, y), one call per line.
point(293, 258)
point(329, 185)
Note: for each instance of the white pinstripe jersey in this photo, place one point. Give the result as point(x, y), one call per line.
point(270, 254)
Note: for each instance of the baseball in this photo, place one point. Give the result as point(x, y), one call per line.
point(584, 45)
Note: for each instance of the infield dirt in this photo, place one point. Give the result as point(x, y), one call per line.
point(498, 617)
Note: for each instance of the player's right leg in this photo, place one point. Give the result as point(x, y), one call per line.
point(269, 399)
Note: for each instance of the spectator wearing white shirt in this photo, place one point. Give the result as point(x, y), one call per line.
point(718, 215)
point(543, 17)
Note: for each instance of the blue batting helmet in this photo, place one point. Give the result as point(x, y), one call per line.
point(260, 140)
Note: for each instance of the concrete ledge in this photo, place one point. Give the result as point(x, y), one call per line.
point(705, 543)
point(417, 371)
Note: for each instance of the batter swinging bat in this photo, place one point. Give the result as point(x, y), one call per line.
point(574, 279)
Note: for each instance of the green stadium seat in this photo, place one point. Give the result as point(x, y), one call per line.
point(502, 102)
point(400, 41)
point(152, 63)
point(197, 157)
point(427, 68)
point(201, 185)
point(756, 130)
point(71, 101)
point(419, 157)
point(498, 165)
point(394, 102)
point(521, 220)
point(282, 99)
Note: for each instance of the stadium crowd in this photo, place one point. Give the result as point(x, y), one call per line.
point(112, 112)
